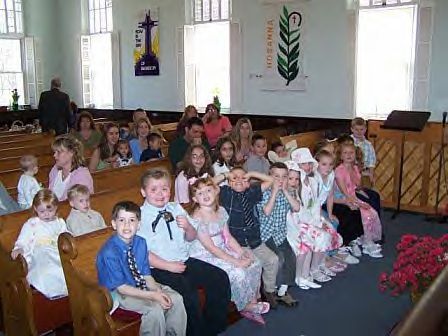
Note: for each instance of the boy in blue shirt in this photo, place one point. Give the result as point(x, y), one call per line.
point(123, 268)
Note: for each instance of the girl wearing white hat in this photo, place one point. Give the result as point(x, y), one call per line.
point(309, 234)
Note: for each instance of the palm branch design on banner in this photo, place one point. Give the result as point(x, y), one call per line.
point(289, 45)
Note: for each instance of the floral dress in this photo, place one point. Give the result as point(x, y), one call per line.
point(39, 241)
point(370, 219)
point(308, 230)
point(244, 282)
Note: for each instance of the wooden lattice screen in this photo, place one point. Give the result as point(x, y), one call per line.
point(420, 168)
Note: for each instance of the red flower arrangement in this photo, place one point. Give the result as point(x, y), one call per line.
point(420, 260)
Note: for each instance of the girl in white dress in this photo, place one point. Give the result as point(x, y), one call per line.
point(309, 233)
point(38, 244)
point(215, 245)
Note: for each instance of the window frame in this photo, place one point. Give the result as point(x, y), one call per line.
point(16, 32)
point(25, 96)
point(102, 10)
point(196, 22)
point(400, 3)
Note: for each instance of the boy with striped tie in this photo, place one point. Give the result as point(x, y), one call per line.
point(123, 268)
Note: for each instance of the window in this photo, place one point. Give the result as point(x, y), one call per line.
point(211, 10)
point(100, 16)
point(386, 40)
point(207, 54)
point(97, 57)
point(11, 73)
point(11, 17)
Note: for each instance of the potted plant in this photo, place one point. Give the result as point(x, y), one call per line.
point(420, 260)
point(15, 100)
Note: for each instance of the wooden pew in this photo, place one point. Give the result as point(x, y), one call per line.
point(23, 150)
point(429, 317)
point(108, 179)
point(31, 141)
point(89, 302)
point(12, 162)
point(307, 139)
point(271, 135)
point(25, 311)
point(21, 137)
point(10, 178)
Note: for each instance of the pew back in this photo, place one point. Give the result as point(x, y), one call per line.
point(31, 140)
point(307, 139)
point(90, 303)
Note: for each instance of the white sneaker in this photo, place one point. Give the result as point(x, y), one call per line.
point(320, 276)
point(354, 249)
point(371, 248)
point(307, 284)
point(351, 260)
point(372, 251)
point(325, 270)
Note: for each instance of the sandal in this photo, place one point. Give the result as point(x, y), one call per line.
point(287, 300)
point(257, 318)
point(259, 308)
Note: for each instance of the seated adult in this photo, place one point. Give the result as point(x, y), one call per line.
point(140, 143)
point(215, 125)
point(7, 204)
point(242, 137)
point(69, 167)
point(193, 135)
point(105, 156)
point(86, 132)
point(136, 116)
point(189, 112)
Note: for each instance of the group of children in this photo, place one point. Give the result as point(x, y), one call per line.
point(296, 222)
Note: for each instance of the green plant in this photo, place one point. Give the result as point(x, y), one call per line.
point(289, 45)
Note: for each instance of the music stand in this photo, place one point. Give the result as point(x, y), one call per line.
point(404, 121)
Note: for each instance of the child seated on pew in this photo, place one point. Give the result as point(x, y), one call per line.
point(257, 161)
point(196, 164)
point(82, 219)
point(168, 234)
point(280, 152)
point(28, 185)
point(124, 153)
point(226, 158)
point(154, 151)
point(38, 244)
point(215, 245)
point(123, 268)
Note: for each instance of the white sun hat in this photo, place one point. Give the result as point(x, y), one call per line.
point(303, 155)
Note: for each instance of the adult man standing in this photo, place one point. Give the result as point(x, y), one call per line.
point(54, 109)
point(193, 135)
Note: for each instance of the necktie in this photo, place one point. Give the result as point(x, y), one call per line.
point(139, 280)
point(168, 217)
point(248, 219)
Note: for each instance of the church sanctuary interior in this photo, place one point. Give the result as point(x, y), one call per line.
point(223, 167)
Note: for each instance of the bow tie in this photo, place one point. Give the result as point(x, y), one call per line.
point(167, 217)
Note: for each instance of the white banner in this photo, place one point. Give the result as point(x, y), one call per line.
point(284, 46)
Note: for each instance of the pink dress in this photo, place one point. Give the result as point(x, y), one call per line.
point(214, 131)
point(370, 219)
point(308, 230)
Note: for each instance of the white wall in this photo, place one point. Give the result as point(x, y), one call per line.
point(328, 58)
point(41, 22)
point(438, 97)
point(153, 92)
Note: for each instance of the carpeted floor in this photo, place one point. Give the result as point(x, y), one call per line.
point(351, 304)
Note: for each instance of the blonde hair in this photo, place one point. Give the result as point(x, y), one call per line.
point(45, 196)
point(199, 183)
point(235, 134)
point(72, 145)
point(359, 160)
point(155, 174)
point(27, 162)
point(77, 190)
point(358, 121)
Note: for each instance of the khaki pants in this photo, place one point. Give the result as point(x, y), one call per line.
point(155, 320)
point(269, 264)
